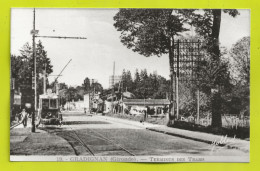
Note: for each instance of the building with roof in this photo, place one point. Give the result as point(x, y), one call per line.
point(158, 106)
point(146, 102)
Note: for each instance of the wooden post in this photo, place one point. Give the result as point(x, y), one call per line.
point(113, 88)
point(177, 80)
point(172, 76)
point(198, 106)
point(208, 119)
point(44, 80)
point(35, 75)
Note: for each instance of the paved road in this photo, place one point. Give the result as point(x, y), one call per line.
point(101, 136)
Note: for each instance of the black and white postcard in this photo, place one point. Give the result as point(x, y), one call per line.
point(130, 85)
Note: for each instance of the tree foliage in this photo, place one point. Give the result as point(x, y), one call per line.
point(22, 68)
point(42, 60)
point(126, 81)
point(144, 85)
point(207, 24)
point(148, 31)
point(63, 86)
point(89, 86)
point(240, 54)
point(86, 84)
point(71, 94)
point(240, 69)
point(97, 87)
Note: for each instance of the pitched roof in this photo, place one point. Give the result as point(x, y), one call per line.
point(146, 102)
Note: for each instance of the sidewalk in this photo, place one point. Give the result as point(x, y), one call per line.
point(144, 125)
point(24, 142)
point(193, 135)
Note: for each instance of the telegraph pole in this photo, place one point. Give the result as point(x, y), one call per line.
point(44, 79)
point(177, 80)
point(35, 78)
point(113, 88)
point(198, 106)
point(34, 35)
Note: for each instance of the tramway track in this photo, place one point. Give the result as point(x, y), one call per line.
point(75, 139)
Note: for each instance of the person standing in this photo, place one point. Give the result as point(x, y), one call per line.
point(24, 117)
point(60, 115)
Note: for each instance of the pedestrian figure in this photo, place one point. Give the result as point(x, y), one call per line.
point(18, 117)
point(60, 115)
point(143, 118)
point(24, 116)
point(145, 115)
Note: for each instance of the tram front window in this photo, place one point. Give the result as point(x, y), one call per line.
point(53, 103)
point(45, 103)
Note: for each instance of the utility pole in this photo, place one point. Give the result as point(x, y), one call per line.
point(92, 93)
point(113, 87)
point(177, 80)
point(172, 84)
point(34, 33)
point(44, 80)
point(198, 91)
point(198, 106)
point(35, 75)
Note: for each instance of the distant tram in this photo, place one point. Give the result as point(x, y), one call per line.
point(49, 112)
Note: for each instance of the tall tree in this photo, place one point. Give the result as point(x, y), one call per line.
point(63, 86)
point(240, 70)
point(126, 83)
point(20, 72)
point(240, 54)
point(136, 82)
point(213, 24)
point(207, 24)
point(143, 75)
point(129, 81)
point(86, 84)
point(23, 66)
point(123, 80)
point(97, 87)
point(163, 89)
point(42, 60)
point(71, 94)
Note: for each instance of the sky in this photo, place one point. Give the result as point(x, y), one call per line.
point(94, 56)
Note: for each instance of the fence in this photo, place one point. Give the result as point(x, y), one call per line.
point(228, 121)
point(233, 121)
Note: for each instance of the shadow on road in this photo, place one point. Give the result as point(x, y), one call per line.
point(79, 114)
point(83, 122)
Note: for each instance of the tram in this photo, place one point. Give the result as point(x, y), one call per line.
point(49, 111)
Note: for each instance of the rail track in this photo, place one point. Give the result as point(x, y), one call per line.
point(75, 140)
